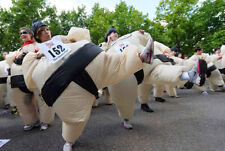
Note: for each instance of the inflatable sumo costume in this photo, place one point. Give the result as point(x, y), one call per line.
point(214, 76)
point(30, 105)
point(4, 72)
point(70, 85)
point(118, 92)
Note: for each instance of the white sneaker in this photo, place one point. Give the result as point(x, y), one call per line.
point(204, 92)
point(67, 147)
point(127, 125)
point(221, 87)
point(44, 126)
point(28, 127)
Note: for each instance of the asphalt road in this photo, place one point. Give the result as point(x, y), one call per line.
point(192, 122)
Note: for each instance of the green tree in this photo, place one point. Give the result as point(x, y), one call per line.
point(176, 13)
point(128, 19)
point(125, 19)
point(208, 25)
point(99, 22)
point(72, 18)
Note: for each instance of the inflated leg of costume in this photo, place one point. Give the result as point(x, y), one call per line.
point(9, 98)
point(3, 83)
point(25, 100)
point(124, 96)
point(171, 90)
point(144, 92)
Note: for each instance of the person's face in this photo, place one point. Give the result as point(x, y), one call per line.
point(179, 55)
point(4, 54)
point(200, 52)
point(186, 57)
point(113, 36)
point(173, 53)
point(218, 51)
point(25, 36)
point(44, 34)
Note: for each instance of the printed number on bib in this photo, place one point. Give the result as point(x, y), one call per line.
point(54, 49)
point(121, 46)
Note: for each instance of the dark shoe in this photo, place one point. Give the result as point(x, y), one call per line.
point(159, 99)
point(188, 85)
point(14, 111)
point(146, 108)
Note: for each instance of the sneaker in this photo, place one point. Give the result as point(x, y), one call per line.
point(188, 85)
point(67, 147)
point(147, 54)
point(158, 99)
point(204, 92)
point(95, 104)
point(146, 108)
point(44, 126)
point(197, 73)
point(126, 125)
point(222, 87)
point(31, 126)
point(28, 127)
point(14, 110)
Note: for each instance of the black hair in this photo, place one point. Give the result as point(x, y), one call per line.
point(174, 49)
point(111, 29)
point(198, 49)
point(35, 26)
point(216, 49)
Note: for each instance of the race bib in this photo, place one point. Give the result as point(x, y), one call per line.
point(54, 49)
point(120, 46)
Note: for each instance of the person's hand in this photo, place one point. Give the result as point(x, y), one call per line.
point(39, 55)
point(109, 40)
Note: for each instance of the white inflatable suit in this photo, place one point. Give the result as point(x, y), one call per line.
point(74, 104)
point(30, 106)
point(153, 74)
point(119, 92)
point(3, 83)
point(215, 79)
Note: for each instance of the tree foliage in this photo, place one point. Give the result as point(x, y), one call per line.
point(209, 29)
